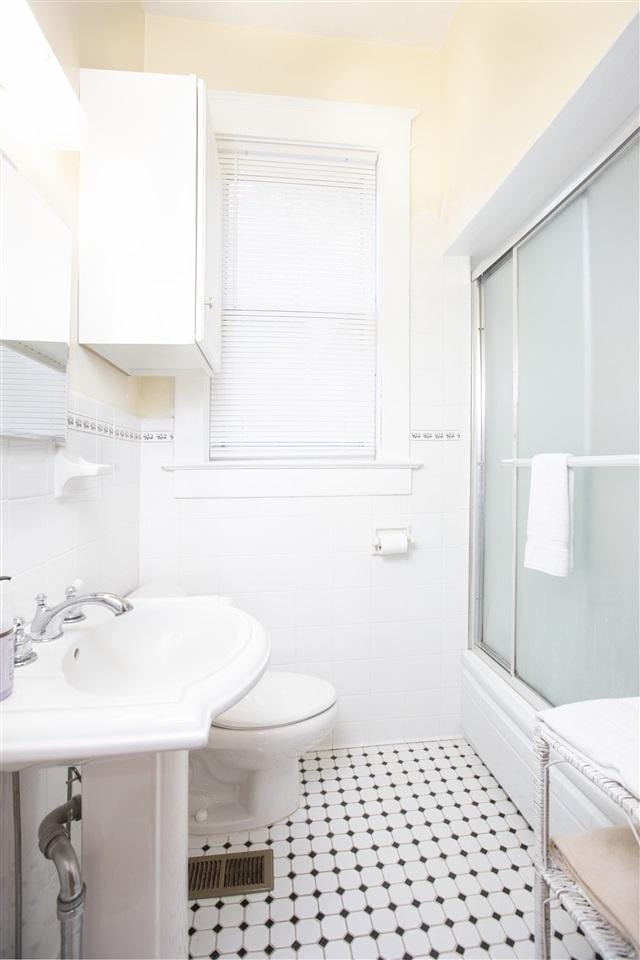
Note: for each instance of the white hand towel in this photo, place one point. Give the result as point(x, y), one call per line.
point(605, 732)
point(549, 546)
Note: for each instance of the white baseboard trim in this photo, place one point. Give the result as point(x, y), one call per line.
point(498, 723)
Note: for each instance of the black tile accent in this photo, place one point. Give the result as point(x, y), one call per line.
point(424, 818)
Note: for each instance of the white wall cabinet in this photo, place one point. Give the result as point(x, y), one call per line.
point(150, 215)
point(35, 269)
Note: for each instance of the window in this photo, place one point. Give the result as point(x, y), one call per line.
point(313, 394)
point(298, 375)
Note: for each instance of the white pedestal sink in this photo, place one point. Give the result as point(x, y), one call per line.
point(127, 698)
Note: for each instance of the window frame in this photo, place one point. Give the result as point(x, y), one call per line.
point(387, 131)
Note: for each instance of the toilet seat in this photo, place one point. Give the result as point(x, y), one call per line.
point(278, 700)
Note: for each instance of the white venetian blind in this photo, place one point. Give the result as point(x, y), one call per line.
point(299, 306)
point(33, 397)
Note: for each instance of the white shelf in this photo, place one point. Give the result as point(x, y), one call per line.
point(70, 466)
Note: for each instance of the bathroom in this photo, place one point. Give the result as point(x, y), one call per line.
point(336, 543)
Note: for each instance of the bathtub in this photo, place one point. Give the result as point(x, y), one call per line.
point(498, 722)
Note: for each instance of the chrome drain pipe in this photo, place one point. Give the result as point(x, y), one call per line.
point(57, 847)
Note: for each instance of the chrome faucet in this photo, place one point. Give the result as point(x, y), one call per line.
point(47, 622)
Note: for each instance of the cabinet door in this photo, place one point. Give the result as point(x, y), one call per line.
point(208, 305)
point(35, 269)
point(138, 196)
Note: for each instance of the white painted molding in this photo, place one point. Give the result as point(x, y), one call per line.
point(386, 130)
point(293, 465)
point(191, 417)
point(599, 116)
point(306, 120)
point(228, 480)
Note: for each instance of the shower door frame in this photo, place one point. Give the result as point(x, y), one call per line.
point(506, 670)
point(478, 383)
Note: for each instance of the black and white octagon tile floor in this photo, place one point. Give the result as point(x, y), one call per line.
point(397, 852)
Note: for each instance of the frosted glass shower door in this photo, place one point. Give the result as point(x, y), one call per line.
point(497, 594)
point(577, 321)
point(560, 374)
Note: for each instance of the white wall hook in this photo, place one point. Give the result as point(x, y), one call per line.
point(69, 466)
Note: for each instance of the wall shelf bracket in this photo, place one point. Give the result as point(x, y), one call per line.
point(69, 466)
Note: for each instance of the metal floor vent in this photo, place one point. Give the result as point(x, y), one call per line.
point(228, 874)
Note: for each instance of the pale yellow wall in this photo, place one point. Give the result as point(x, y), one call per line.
point(86, 34)
point(155, 396)
point(506, 70)
point(503, 73)
point(285, 64)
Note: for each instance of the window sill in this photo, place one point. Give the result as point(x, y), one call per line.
point(278, 478)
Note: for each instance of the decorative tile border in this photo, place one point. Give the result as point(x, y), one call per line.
point(103, 428)
point(436, 435)
point(157, 436)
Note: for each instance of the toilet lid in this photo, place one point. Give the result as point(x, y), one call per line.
point(279, 699)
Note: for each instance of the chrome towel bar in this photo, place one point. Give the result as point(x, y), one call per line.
point(607, 460)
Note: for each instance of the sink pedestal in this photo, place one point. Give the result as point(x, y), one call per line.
point(135, 694)
point(134, 856)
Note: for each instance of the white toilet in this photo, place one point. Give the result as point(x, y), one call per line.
point(247, 776)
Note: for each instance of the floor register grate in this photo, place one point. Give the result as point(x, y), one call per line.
point(229, 874)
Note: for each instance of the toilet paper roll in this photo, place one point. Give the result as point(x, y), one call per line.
point(390, 542)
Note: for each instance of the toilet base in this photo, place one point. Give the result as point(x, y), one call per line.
point(248, 779)
point(223, 801)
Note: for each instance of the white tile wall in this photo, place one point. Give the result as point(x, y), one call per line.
point(386, 631)
point(45, 544)
point(91, 534)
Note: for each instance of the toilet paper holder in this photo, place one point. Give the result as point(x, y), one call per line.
point(398, 540)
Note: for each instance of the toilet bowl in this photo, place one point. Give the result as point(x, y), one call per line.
point(247, 776)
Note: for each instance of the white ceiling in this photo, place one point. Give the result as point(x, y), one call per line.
point(413, 23)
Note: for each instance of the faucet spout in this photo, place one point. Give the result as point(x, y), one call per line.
point(47, 622)
point(117, 605)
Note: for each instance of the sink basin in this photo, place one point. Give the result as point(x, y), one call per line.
point(158, 650)
point(150, 680)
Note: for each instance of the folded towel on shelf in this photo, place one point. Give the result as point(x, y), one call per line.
point(606, 865)
point(549, 546)
point(605, 732)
